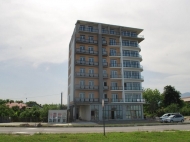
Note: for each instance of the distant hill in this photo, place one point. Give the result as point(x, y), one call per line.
point(187, 94)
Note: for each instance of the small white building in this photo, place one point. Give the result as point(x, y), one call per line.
point(57, 116)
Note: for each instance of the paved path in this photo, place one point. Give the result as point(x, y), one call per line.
point(24, 130)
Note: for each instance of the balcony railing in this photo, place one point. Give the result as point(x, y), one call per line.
point(132, 35)
point(134, 100)
point(115, 76)
point(116, 87)
point(131, 44)
point(132, 66)
point(86, 41)
point(117, 100)
point(133, 88)
point(104, 53)
point(91, 52)
point(86, 99)
point(114, 43)
point(132, 55)
point(105, 64)
point(114, 33)
point(115, 65)
point(134, 77)
point(88, 30)
point(115, 54)
point(106, 100)
point(105, 75)
point(104, 42)
point(79, 74)
point(86, 63)
point(105, 87)
point(86, 87)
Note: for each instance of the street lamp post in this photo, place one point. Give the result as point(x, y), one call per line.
point(103, 116)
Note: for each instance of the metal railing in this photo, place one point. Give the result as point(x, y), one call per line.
point(80, 74)
point(115, 76)
point(115, 65)
point(105, 64)
point(132, 55)
point(86, 99)
point(115, 54)
point(86, 40)
point(133, 35)
point(116, 87)
point(105, 87)
point(114, 43)
point(133, 88)
point(86, 87)
point(134, 77)
point(87, 63)
point(104, 53)
point(132, 66)
point(105, 75)
point(78, 50)
point(88, 30)
point(104, 42)
point(117, 100)
point(131, 44)
point(134, 100)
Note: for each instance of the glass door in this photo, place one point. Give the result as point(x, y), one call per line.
point(113, 63)
point(112, 52)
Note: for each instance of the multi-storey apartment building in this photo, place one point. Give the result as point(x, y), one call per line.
point(104, 63)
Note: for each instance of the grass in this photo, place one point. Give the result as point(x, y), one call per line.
point(167, 136)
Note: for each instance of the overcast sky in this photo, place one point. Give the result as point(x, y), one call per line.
point(35, 35)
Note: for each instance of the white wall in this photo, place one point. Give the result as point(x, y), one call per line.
point(85, 113)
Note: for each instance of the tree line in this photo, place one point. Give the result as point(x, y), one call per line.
point(156, 103)
point(34, 112)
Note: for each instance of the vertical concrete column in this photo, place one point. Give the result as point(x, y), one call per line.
point(100, 66)
point(122, 72)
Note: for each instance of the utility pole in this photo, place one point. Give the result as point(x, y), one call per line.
point(61, 100)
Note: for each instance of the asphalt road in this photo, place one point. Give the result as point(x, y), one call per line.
point(24, 130)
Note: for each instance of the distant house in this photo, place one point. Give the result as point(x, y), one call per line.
point(20, 105)
point(186, 99)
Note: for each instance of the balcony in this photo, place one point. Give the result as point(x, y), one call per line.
point(116, 100)
point(104, 42)
point(110, 32)
point(80, 74)
point(133, 88)
point(135, 100)
point(81, 40)
point(90, 52)
point(114, 54)
point(114, 43)
point(115, 65)
point(105, 87)
point(131, 44)
point(106, 100)
point(132, 55)
point(86, 100)
point(134, 77)
point(116, 88)
point(86, 87)
point(86, 63)
point(105, 75)
point(82, 29)
point(105, 64)
point(115, 76)
point(104, 53)
point(133, 66)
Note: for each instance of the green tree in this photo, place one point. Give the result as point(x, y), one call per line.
point(171, 96)
point(152, 98)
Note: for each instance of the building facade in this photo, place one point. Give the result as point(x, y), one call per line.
point(104, 63)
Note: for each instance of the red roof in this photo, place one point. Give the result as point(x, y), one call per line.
point(20, 105)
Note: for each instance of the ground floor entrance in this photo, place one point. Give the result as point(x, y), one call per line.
point(95, 112)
